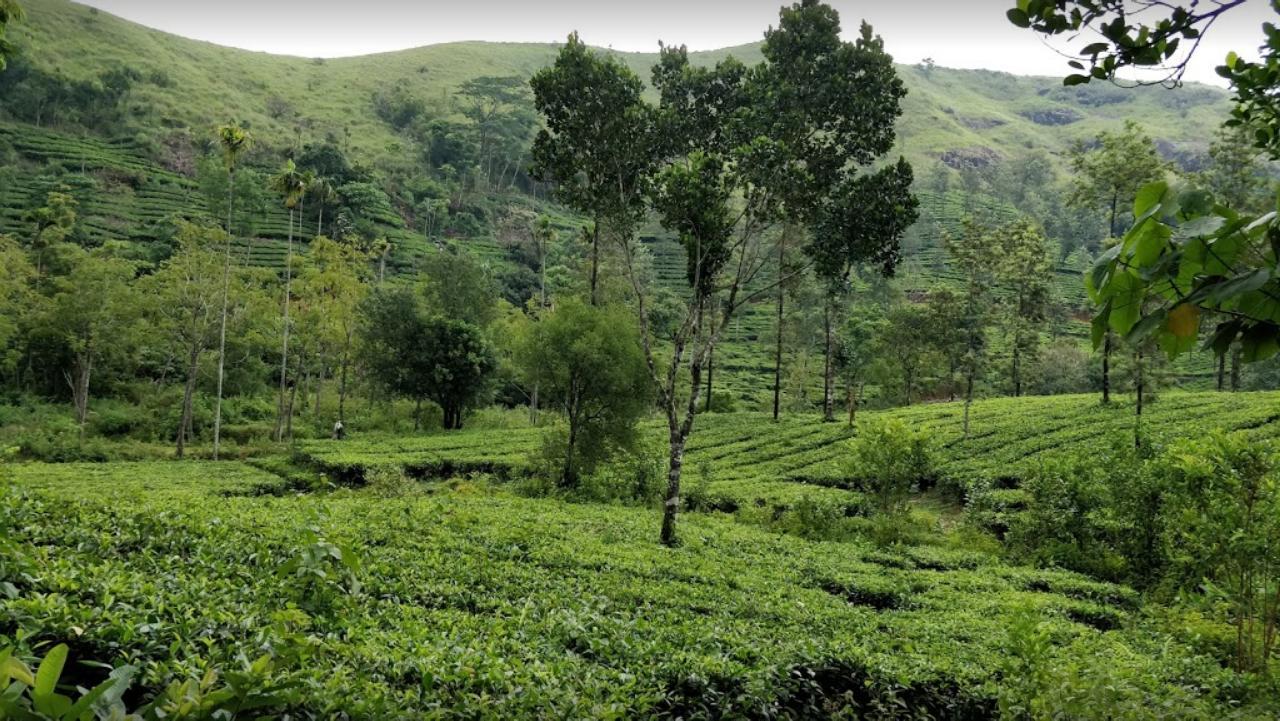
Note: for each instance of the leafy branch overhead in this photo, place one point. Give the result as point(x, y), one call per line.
point(1187, 254)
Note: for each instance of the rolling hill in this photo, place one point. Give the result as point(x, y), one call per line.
point(130, 184)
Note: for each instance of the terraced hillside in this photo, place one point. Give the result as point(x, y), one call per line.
point(748, 461)
point(957, 115)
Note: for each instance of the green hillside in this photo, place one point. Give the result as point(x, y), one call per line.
point(192, 84)
point(132, 182)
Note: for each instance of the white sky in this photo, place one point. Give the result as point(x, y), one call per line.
point(955, 33)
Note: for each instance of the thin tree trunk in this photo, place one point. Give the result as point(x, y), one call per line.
point(711, 366)
point(417, 416)
point(777, 354)
point(188, 394)
point(1235, 369)
point(1106, 369)
point(828, 374)
point(293, 396)
point(1017, 364)
point(1141, 387)
point(78, 379)
point(284, 350)
point(1222, 371)
point(595, 258)
point(342, 384)
point(222, 326)
point(968, 400)
point(319, 387)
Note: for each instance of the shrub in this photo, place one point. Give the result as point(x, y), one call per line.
point(888, 461)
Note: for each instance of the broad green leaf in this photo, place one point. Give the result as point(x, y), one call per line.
point(50, 671)
point(1149, 198)
point(1127, 294)
point(1019, 17)
point(1147, 325)
point(1100, 321)
point(1149, 242)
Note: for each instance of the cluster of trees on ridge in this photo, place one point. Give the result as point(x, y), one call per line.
point(774, 189)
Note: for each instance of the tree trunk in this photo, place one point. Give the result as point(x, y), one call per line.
point(1222, 370)
point(417, 416)
point(1106, 369)
point(82, 369)
point(968, 400)
point(1235, 369)
point(569, 477)
point(288, 423)
point(1141, 387)
point(319, 387)
point(342, 384)
point(711, 365)
point(595, 258)
point(852, 392)
point(188, 394)
point(1017, 365)
point(222, 326)
point(777, 353)
point(828, 373)
point(284, 350)
point(671, 506)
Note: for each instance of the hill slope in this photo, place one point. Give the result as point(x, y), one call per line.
point(132, 184)
point(948, 113)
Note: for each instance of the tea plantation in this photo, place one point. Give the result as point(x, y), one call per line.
point(216, 585)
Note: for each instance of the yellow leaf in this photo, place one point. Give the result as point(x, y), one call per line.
point(1184, 321)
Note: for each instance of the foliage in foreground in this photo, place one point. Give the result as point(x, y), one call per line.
point(473, 605)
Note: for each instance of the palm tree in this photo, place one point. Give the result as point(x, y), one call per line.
point(325, 194)
point(290, 184)
point(233, 140)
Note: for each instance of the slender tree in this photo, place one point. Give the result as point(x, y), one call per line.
point(595, 144)
point(726, 170)
point(1109, 174)
point(976, 255)
point(289, 183)
point(233, 140)
point(1024, 271)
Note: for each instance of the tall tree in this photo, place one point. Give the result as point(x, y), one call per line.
point(497, 107)
point(907, 339)
point(233, 140)
point(727, 171)
point(1108, 177)
point(290, 184)
point(595, 144)
point(189, 309)
point(976, 255)
point(332, 287)
point(91, 311)
point(855, 353)
point(1024, 271)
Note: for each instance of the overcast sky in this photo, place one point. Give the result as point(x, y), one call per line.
point(955, 33)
